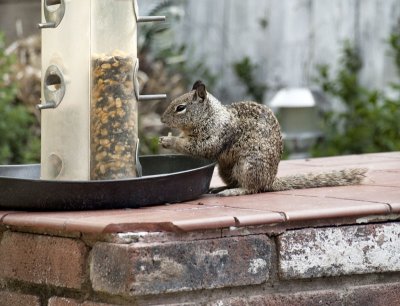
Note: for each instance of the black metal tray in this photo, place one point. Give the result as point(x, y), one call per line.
point(166, 179)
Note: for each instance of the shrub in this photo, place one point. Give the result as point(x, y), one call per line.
point(370, 121)
point(19, 143)
point(245, 70)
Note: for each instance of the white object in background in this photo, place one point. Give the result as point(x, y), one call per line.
point(298, 111)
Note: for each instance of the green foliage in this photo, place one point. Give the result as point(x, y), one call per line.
point(245, 71)
point(154, 36)
point(370, 121)
point(263, 23)
point(18, 142)
point(177, 61)
point(157, 42)
point(150, 145)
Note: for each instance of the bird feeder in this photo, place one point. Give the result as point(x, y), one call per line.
point(299, 113)
point(89, 102)
point(89, 89)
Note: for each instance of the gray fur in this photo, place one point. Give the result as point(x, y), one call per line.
point(244, 138)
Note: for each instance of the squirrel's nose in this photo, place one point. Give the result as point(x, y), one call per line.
point(162, 119)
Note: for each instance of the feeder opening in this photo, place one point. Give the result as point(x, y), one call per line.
point(53, 82)
point(53, 5)
point(56, 166)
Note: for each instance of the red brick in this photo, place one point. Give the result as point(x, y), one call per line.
point(61, 301)
point(43, 259)
point(139, 269)
point(8, 298)
point(374, 295)
point(323, 297)
point(96, 304)
point(371, 295)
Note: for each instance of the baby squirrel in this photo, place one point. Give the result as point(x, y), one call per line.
point(245, 139)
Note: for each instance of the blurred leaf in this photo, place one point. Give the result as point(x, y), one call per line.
point(19, 143)
point(370, 120)
point(245, 71)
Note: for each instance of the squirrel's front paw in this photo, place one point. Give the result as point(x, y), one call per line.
point(167, 142)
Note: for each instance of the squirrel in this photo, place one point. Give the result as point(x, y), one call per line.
point(245, 140)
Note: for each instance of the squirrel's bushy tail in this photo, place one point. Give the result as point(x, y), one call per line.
point(344, 177)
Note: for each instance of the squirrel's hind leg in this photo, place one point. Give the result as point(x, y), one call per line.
point(250, 175)
point(254, 175)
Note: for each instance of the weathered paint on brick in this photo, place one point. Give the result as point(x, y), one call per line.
point(156, 268)
point(43, 259)
point(343, 250)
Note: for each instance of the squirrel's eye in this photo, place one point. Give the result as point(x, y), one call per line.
point(180, 108)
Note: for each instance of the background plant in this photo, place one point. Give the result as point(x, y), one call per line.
point(245, 71)
point(157, 42)
point(166, 67)
point(19, 141)
point(370, 120)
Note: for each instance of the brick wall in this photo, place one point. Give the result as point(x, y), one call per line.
point(344, 265)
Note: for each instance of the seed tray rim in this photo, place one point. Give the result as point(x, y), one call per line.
point(170, 179)
point(144, 177)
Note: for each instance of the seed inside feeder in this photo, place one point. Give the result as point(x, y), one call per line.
point(113, 117)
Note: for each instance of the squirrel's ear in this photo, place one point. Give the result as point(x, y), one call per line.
point(196, 84)
point(201, 91)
